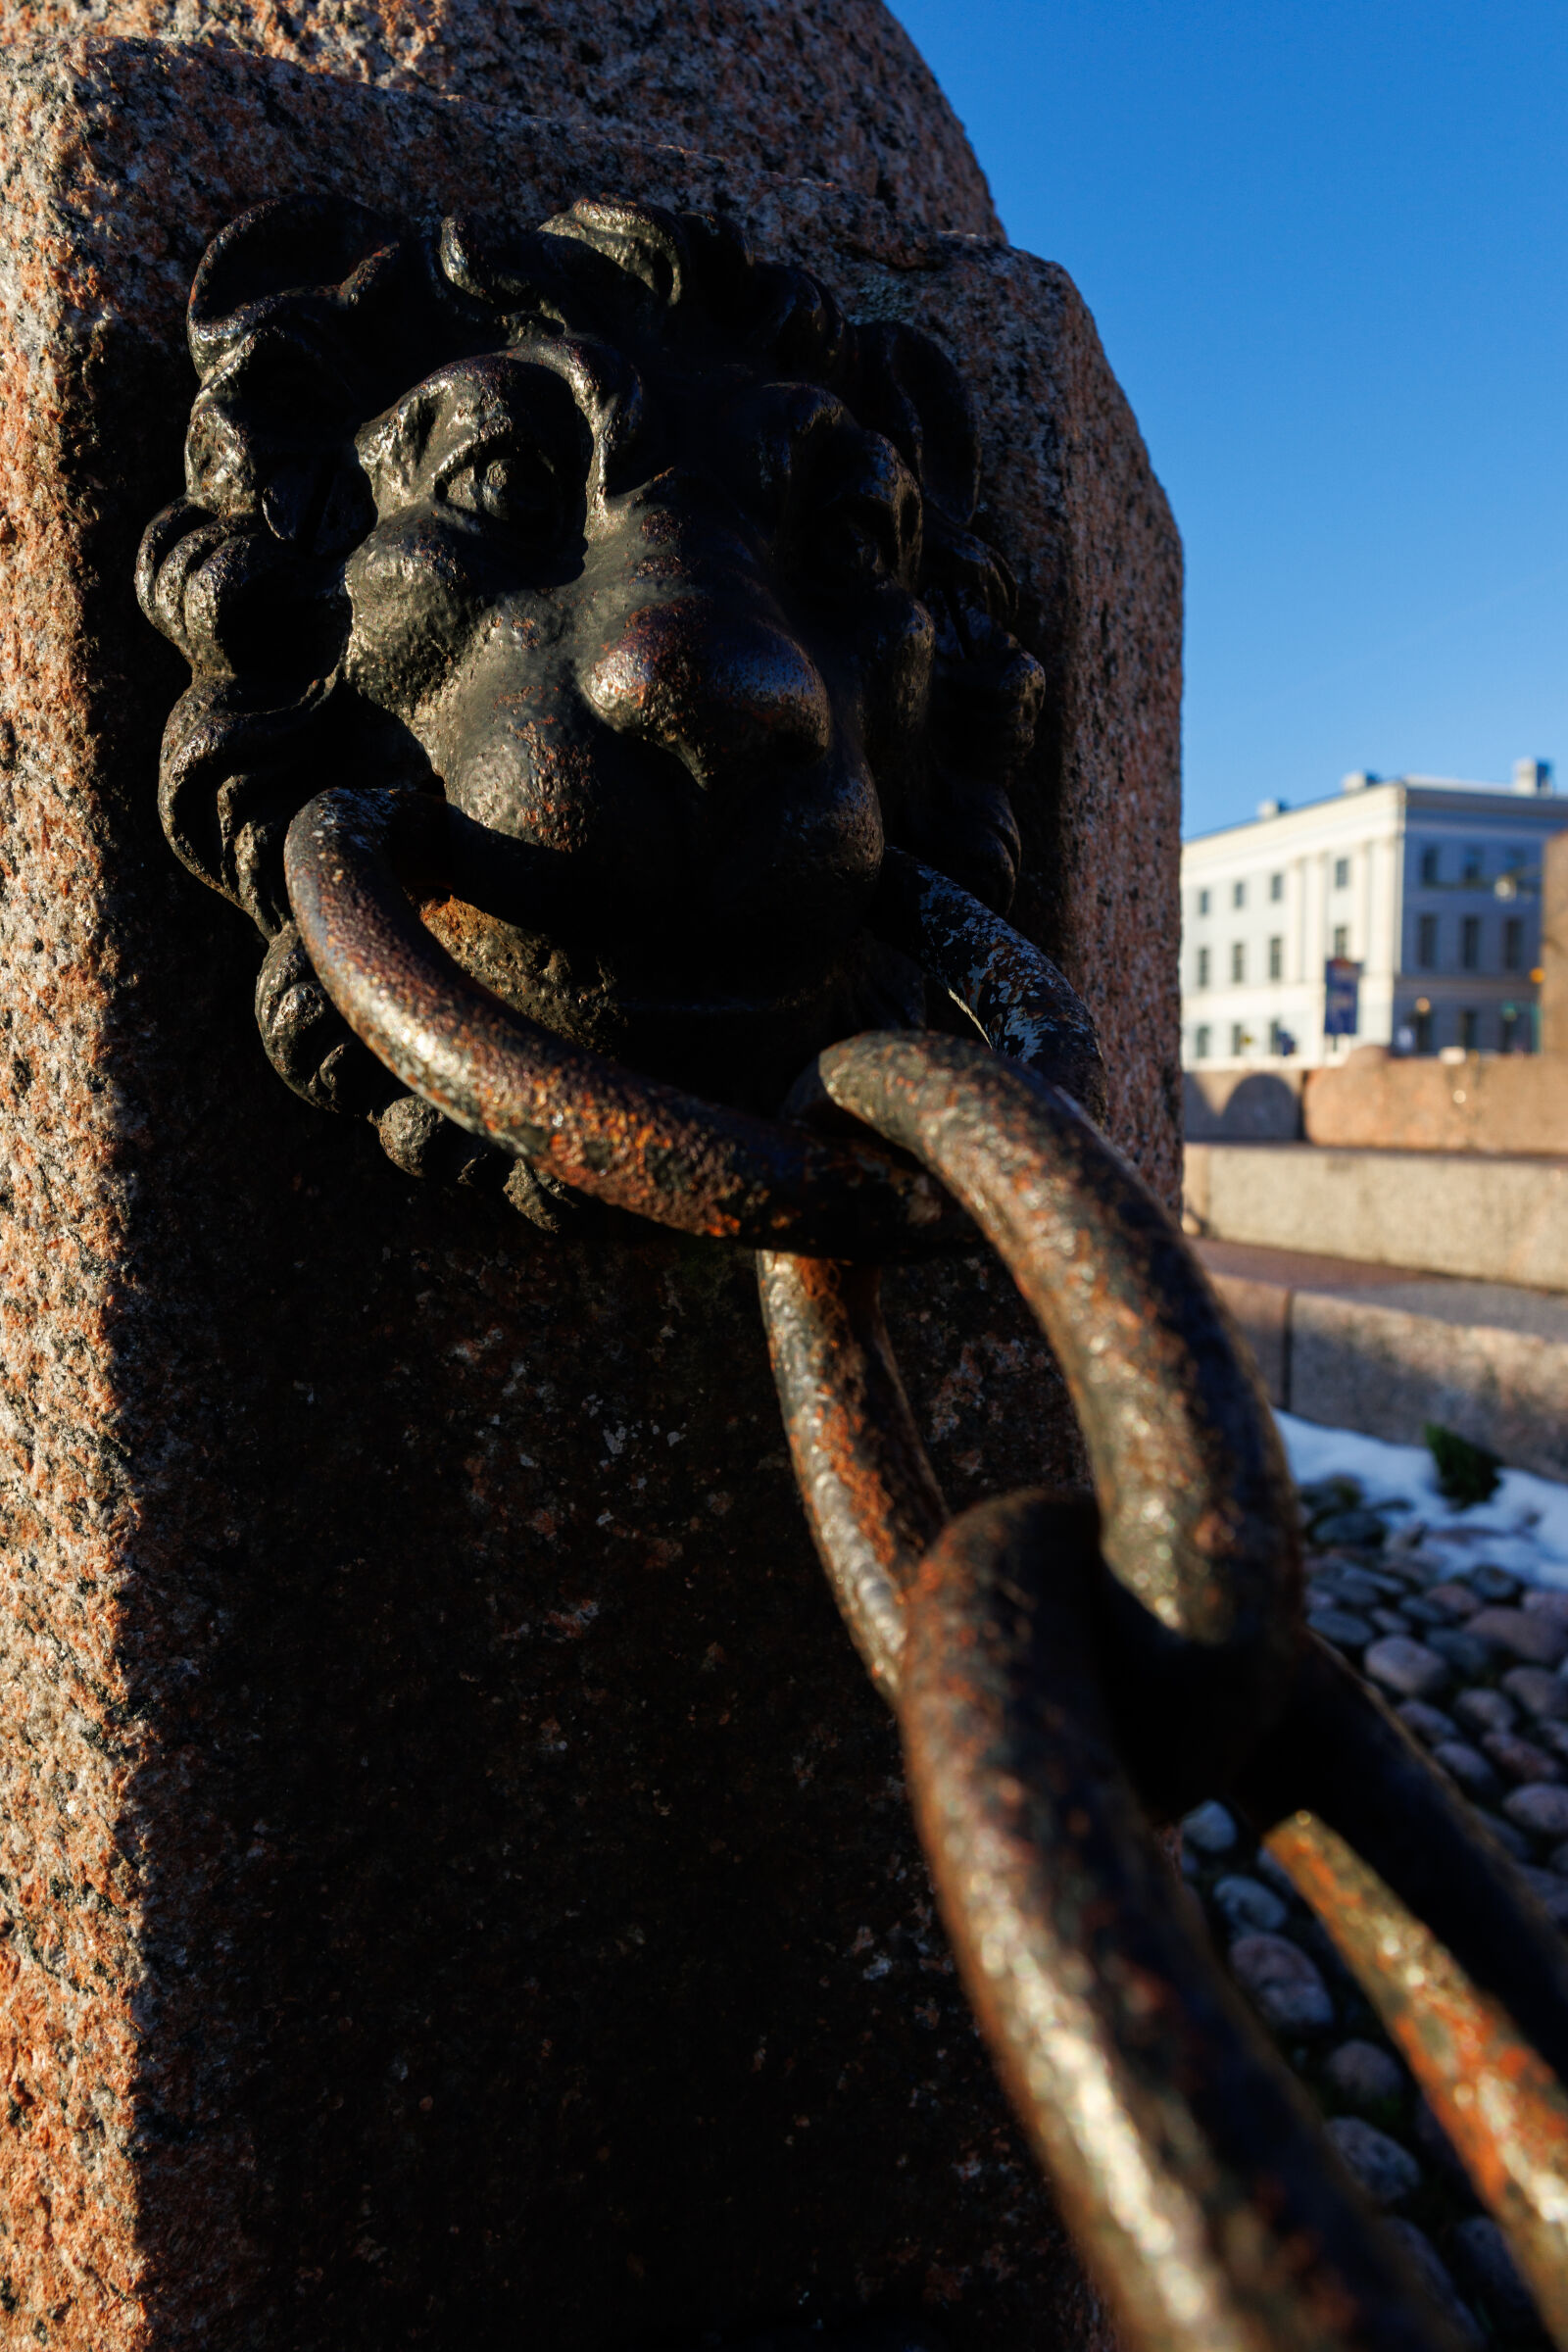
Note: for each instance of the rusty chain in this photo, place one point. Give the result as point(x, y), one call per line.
point(1065, 1674)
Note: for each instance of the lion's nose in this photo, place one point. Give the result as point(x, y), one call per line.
point(727, 691)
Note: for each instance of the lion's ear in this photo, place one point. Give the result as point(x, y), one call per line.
point(643, 242)
point(321, 259)
point(908, 389)
point(295, 318)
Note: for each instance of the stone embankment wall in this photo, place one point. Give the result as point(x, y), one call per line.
point(1498, 1103)
point(1478, 1220)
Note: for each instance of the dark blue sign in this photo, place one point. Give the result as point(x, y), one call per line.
point(1342, 992)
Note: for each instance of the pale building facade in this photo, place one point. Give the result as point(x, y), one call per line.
point(1432, 887)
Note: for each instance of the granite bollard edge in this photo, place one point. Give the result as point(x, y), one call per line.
point(160, 1560)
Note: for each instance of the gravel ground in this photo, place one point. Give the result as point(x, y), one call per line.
point(1473, 1658)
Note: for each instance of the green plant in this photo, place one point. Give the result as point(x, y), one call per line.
point(1466, 1473)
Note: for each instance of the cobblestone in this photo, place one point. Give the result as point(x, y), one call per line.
point(1247, 1904)
point(1428, 1723)
point(1363, 2075)
point(1352, 1526)
point(1529, 1634)
point(1489, 1653)
point(1210, 1828)
point(1469, 1767)
point(1470, 1656)
point(1520, 1759)
point(1541, 1807)
point(1343, 1628)
point(1368, 1587)
point(1283, 1984)
point(1409, 1667)
point(1387, 2171)
point(1539, 1692)
point(1486, 1710)
point(1422, 1613)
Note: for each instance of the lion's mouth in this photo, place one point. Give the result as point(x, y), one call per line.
point(734, 1046)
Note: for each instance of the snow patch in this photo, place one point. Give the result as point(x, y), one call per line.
point(1524, 1528)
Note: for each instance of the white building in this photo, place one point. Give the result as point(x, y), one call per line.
point(1432, 887)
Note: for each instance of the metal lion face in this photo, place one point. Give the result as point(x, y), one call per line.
point(636, 551)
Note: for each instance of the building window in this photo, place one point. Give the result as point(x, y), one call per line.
point(1201, 1043)
point(1238, 960)
point(1342, 939)
point(1430, 865)
point(1276, 887)
point(1341, 873)
point(1202, 967)
point(1202, 902)
point(1425, 945)
point(1514, 945)
point(1421, 1023)
point(1472, 864)
point(1276, 958)
point(1469, 1028)
point(1238, 1037)
point(1509, 1029)
point(1238, 894)
point(1470, 943)
point(1279, 1041)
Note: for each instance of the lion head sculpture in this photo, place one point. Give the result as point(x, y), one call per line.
point(634, 548)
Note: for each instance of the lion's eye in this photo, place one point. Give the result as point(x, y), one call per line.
point(850, 546)
point(516, 489)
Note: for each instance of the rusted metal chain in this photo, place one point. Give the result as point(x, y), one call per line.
point(1185, 2155)
point(1061, 1674)
point(870, 1493)
point(1338, 1752)
point(597, 1126)
point(1196, 1501)
point(1500, 2104)
point(351, 859)
point(1016, 997)
point(1014, 1738)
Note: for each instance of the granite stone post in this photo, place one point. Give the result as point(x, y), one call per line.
point(457, 1885)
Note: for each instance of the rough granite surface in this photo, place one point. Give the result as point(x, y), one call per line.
point(457, 1885)
point(810, 89)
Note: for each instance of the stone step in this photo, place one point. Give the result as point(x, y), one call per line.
point(1478, 1217)
point(1385, 1348)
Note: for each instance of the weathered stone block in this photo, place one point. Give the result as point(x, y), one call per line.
point(828, 90)
point(456, 1882)
point(1483, 1219)
point(1355, 1364)
point(1502, 1104)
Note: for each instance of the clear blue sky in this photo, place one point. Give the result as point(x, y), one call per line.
point(1325, 243)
